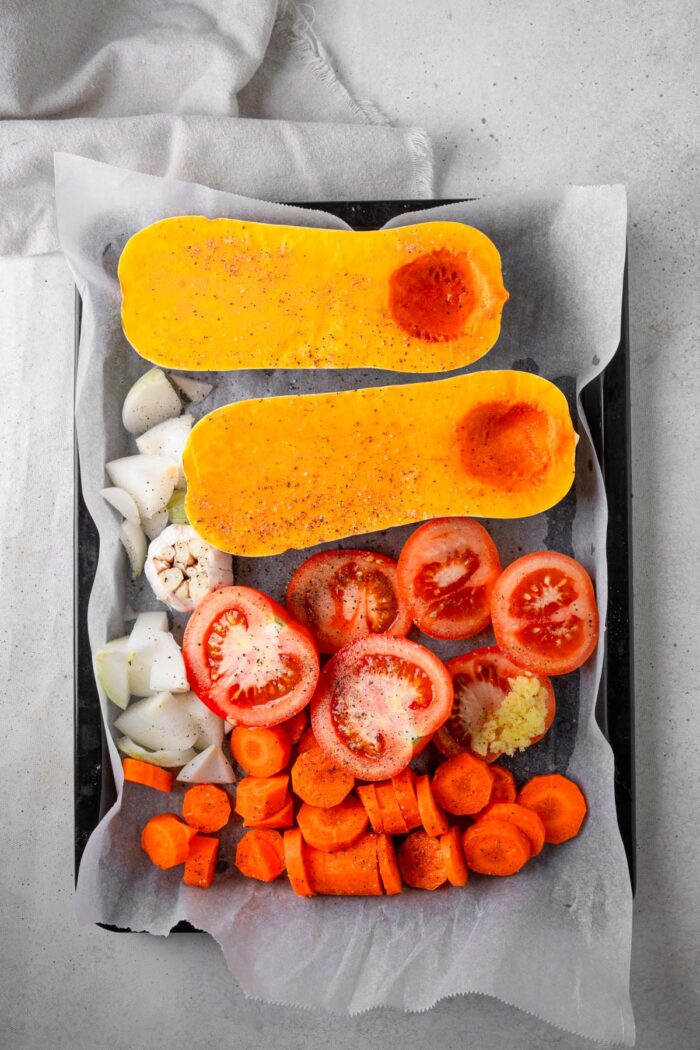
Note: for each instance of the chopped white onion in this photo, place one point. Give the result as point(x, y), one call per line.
point(211, 727)
point(111, 665)
point(148, 627)
point(167, 439)
point(176, 508)
point(150, 480)
point(135, 544)
point(154, 525)
point(164, 758)
point(123, 502)
point(161, 722)
point(150, 401)
point(194, 390)
point(168, 667)
point(208, 767)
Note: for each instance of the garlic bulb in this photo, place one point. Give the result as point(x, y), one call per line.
point(182, 568)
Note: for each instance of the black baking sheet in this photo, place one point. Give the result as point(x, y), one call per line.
point(606, 406)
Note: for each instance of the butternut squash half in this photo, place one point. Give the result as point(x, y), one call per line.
point(276, 473)
point(201, 294)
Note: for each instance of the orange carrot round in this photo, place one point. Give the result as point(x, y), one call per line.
point(296, 860)
point(257, 798)
point(319, 780)
point(283, 818)
point(462, 785)
point(260, 855)
point(405, 791)
point(495, 847)
point(150, 776)
point(392, 817)
point(334, 828)
point(261, 752)
point(526, 819)
point(307, 740)
point(200, 866)
point(432, 818)
point(352, 872)
point(453, 855)
point(206, 807)
point(166, 839)
point(388, 865)
point(559, 803)
point(421, 861)
point(368, 797)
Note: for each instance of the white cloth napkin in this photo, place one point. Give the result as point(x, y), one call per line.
point(174, 89)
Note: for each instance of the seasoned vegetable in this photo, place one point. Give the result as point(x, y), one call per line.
point(200, 866)
point(289, 472)
point(422, 862)
point(463, 784)
point(148, 775)
point(319, 780)
point(559, 803)
point(182, 568)
point(334, 828)
point(166, 840)
point(260, 855)
point(496, 847)
point(262, 752)
point(203, 294)
point(544, 613)
point(206, 807)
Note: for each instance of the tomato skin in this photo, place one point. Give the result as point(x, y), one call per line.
point(376, 699)
point(268, 636)
point(446, 573)
point(318, 591)
point(544, 613)
point(491, 666)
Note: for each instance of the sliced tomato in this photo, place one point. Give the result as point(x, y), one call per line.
point(247, 659)
point(345, 594)
point(481, 681)
point(544, 613)
point(376, 698)
point(446, 573)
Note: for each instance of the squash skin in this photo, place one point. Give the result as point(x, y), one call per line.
point(275, 473)
point(218, 294)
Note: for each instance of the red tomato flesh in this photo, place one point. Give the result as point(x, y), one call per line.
point(544, 613)
point(342, 595)
point(247, 659)
point(446, 573)
point(481, 681)
point(376, 698)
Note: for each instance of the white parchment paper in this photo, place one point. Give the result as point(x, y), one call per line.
point(555, 940)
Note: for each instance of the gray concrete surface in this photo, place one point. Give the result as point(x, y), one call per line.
point(514, 94)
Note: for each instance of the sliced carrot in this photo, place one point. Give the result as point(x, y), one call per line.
point(352, 872)
point(259, 797)
point(495, 847)
point(206, 807)
point(307, 740)
point(150, 776)
point(283, 818)
point(368, 797)
point(559, 803)
point(319, 780)
point(261, 752)
point(421, 861)
point(388, 865)
point(463, 784)
point(200, 866)
point(432, 818)
point(526, 819)
point(405, 791)
point(392, 817)
point(337, 827)
point(295, 858)
point(260, 855)
point(296, 725)
point(453, 855)
point(166, 839)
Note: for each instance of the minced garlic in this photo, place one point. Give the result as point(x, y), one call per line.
point(520, 717)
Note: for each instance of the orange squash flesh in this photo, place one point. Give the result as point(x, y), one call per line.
point(276, 473)
point(204, 294)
